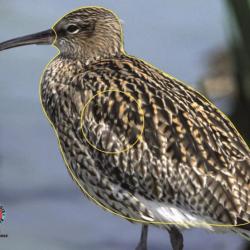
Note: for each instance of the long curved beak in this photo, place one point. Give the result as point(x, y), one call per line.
point(44, 37)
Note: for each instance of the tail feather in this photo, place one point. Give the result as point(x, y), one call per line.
point(242, 232)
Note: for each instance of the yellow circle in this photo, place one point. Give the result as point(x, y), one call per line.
point(140, 111)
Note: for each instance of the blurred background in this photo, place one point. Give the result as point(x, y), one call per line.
point(204, 43)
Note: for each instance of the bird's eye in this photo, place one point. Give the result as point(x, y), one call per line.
point(73, 29)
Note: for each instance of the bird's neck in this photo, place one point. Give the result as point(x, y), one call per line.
point(91, 55)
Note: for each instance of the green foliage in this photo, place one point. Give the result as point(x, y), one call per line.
point(240, 12)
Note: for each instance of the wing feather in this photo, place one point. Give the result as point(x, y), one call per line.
point(190, 154)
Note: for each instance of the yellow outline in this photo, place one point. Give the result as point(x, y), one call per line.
point(72, 173)
point(141, 115)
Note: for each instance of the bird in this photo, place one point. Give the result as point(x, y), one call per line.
point(139, 142)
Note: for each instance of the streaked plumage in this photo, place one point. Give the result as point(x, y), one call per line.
point(191, 165)
point(190, 154)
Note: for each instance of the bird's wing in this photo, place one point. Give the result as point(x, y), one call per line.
point(190, 153)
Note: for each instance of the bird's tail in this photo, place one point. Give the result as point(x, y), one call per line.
point(242, 232)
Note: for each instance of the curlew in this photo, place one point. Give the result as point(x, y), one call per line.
point(139, 142)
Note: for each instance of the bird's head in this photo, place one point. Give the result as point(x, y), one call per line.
point(87, 34)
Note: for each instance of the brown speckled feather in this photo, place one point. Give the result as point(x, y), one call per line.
point(190, 155)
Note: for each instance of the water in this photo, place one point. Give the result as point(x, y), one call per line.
point(45, 210)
